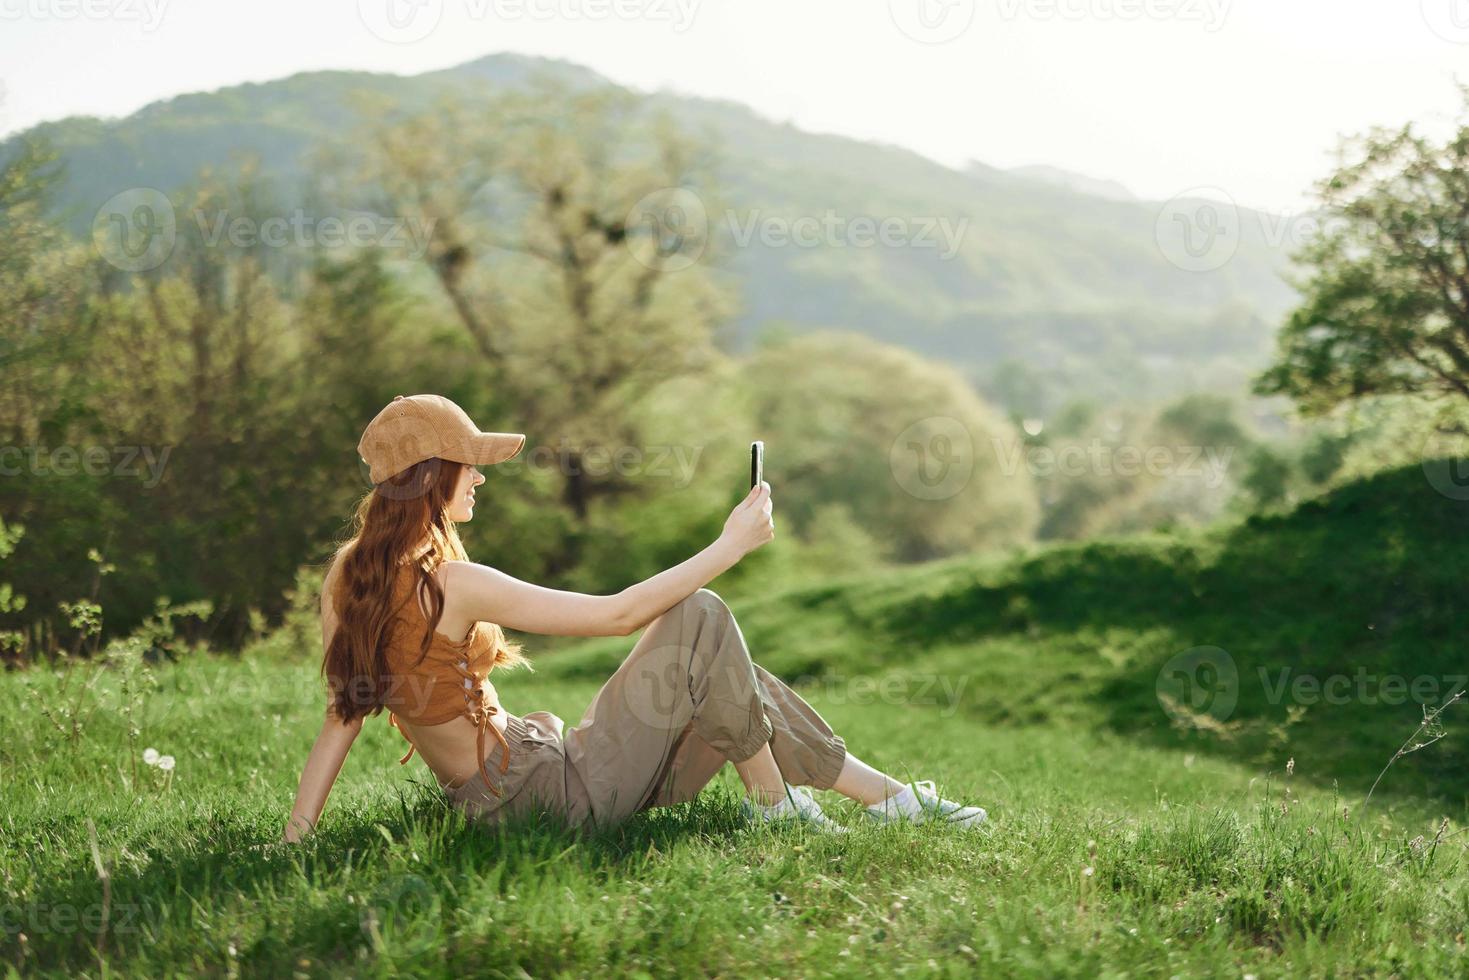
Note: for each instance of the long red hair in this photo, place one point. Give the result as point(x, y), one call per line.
point(392, 519)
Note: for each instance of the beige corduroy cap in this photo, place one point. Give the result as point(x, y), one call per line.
point(414, 428)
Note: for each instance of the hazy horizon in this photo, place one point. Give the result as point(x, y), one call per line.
point(1159, 96)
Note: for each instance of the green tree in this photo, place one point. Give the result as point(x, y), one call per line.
point(11, 640)
point(575, 308)
point(1386, 307)
point(1267, 477)
point(194, 420)
point(46, 328)
point(1133, 468)
point(920, 464)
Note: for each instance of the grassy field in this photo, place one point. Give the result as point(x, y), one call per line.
point(1123, 841)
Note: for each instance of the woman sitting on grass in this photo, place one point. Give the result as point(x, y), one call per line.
point(411, 625)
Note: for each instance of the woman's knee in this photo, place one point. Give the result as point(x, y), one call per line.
point(696, 601)
point(711, 600)
point(714, 644)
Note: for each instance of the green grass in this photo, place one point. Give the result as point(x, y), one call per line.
point(1026, 684)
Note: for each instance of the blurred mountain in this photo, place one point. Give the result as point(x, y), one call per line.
point(1071, 180)
point(1042, 285)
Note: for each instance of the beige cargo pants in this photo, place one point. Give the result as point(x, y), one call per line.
point(687, 699)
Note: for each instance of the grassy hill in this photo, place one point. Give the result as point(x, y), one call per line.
point(1072, 286)
point(1120, 841)
point(1366, 582)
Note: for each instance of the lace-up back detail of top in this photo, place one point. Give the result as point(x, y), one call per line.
point(448, 682)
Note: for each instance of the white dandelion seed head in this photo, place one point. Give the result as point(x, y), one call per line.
point(165, 763)
point(150, 756)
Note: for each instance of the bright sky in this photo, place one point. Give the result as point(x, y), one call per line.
point(1246, 96)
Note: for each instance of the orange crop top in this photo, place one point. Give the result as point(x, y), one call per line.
point(447, 683)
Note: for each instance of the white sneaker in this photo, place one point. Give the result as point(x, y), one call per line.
point(797, 805)
point(920, 803)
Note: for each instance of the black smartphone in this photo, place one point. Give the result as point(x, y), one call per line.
point(757, 463)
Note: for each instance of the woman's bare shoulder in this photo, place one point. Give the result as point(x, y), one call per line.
point(333, 577)
point(447, 573)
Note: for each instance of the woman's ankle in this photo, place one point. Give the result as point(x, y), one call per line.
point(861, 782)
point(892, 794)
point(762, 796)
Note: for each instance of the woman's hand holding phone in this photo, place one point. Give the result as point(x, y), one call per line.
point(750, 524)
point(748, 527)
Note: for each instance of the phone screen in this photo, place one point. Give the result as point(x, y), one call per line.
point(757, 463)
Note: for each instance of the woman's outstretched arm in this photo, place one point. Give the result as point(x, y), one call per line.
point(332, 744)
point(748, 526)
point(322, 767)
point(493, 596)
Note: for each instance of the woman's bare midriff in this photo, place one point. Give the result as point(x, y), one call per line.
point(449, 749)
